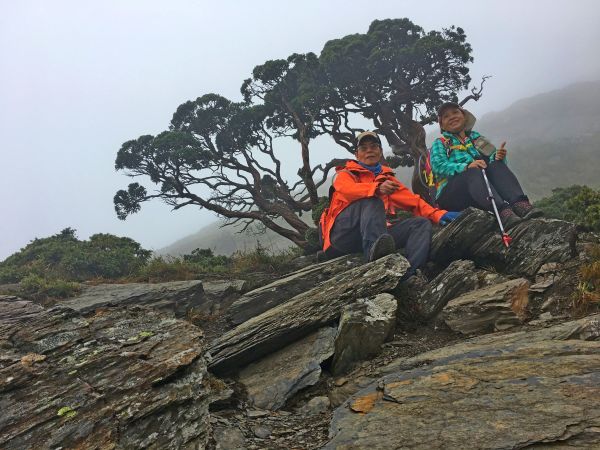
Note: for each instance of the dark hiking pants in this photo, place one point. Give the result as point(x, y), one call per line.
point(468, 189)
point(359, 225)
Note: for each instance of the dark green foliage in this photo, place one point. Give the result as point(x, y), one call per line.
point(319, 208)
point(161, 269)
point(39, 288)
point(260, 259)
point(64, 257)
point(314, 243)
point(396, 75)
point(206, 258)
point(578, 204)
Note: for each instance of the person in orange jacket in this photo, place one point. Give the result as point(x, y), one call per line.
point(364, 194)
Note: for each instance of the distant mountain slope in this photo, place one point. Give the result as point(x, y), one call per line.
point(553, 141)
point(572, 112)
point(553, 138)
point(225, 241)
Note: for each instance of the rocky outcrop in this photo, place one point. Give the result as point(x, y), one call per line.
point(493, 308)
point(459, 277)
point(272, 380)
point(500, 391)
point(266, 297)
point(175, 297)
point(114, 375)
point(364, 326)
point(474, 235)
point(304, 313)
point(123, 377)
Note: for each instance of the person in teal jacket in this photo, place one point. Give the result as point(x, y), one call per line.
point(456, 162)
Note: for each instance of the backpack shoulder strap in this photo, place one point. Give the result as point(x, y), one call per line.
point(447, 145)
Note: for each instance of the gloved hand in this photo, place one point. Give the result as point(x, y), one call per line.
point(449, 217)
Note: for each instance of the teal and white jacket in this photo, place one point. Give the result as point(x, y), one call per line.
point(454, 157)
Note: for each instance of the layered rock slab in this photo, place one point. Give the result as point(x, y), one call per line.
point(266, 297)
point(475, 236)
point(175, 297)
point(493, 308)
point(498, 391)
point(124, 378)
point(272, 380)
point(304, 313)
point(459, 277)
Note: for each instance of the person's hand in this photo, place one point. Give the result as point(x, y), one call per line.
point(477, 164)
point(501, 152)
point(449, 217)
point(388, 187)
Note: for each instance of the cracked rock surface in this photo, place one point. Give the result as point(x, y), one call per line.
point(124, 378)
point(493, 392)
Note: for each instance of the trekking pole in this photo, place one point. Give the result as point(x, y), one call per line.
point(506, 239)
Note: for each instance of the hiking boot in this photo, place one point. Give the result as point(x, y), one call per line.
point(526, 210)
point(509, 218)
point(383, 246)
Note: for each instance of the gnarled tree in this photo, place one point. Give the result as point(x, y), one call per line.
point(395, 75)
point(220, 155)
point(217, 155)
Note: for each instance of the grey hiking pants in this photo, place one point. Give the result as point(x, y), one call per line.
point(359, 225)
point(468, 189)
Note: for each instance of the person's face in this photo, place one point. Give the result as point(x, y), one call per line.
point(453, 120)
point(369, 152)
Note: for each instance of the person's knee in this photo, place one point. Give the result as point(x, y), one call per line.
point(473, 173)
point(423, 225)
point(420, 222)
point(376, 201)
point(371, 203)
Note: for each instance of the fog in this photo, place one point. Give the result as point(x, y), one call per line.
point(77, 79)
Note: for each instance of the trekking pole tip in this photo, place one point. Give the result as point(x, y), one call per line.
point(506, 239)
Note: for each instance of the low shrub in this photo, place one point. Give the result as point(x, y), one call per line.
point(578, 204)
point(41, 289)
point(587, 293)
point(262, 260)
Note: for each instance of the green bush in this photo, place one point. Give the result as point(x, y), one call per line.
point(204, 257)
point(160, 269)
point(63, 256)
point(263, 260)
point(586, 296)
point(578, 204)
point(38, 288)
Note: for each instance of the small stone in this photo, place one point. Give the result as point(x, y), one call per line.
point(317, 405)
point(541, 287)
point(340, 381)
point(549, 303)
point(253, 413)
point(229, 438)
point(261, 432)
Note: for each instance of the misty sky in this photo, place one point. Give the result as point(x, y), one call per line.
point(78, 78)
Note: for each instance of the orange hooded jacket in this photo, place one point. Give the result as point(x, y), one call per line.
point(353, 182)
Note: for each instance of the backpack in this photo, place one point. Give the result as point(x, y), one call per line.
point(426, 176)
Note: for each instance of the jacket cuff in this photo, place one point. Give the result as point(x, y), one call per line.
point(437, 216)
